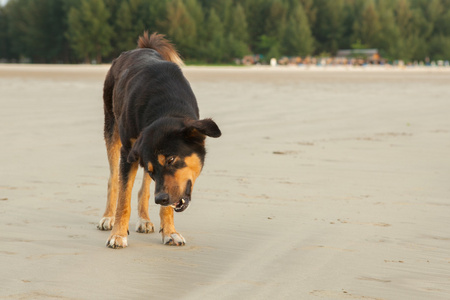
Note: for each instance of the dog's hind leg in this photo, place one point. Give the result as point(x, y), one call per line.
point(113, 145)
point(144, 225)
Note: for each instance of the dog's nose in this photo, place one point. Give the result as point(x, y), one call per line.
point(162, 199)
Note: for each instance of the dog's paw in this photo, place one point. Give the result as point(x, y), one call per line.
point(173, 239)
point(117, 241)
point(106, 223)
point(144, 226)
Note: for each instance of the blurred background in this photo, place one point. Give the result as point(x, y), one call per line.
point(227, 31)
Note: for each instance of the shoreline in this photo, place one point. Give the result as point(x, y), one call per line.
point(339, 68)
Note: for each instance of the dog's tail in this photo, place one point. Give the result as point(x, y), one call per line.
point(159, 43)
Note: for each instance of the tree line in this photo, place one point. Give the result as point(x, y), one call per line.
point(213, 31)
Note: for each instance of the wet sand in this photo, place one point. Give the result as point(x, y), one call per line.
point(326, 184)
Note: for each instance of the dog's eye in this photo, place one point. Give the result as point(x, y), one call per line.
point(170, 160)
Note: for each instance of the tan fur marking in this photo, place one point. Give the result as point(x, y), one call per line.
point(161, 159)
point(194, 163)
point(143, 196)
point(150, 167)
point(166, 215)
point(123, 203)
point(176, 184)
point(113, 151)
point(132, 141)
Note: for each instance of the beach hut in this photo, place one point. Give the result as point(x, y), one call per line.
point(371, 56)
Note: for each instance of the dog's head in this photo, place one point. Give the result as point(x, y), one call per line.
point(172, 151)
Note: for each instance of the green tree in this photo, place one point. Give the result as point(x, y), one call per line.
point(219, 30)
point(367, 28)
point(442, 25)
point(256, 12)
point(224, 9)
point(197, 14)
point(125, 37)
point(427, 14)
point(157, 11)
point(298, 39)
point(408, 40)
point(5, 47)
point(440, 47)
point(133, 18)
point(389, 33)
point(37, 29)
point(180, 27)
point(352, 11)
point(270, 40)
point(429, 30)
point(328, 30)
point(237, 37)
point(89, 31)
point(215, 39)
point(310, 11)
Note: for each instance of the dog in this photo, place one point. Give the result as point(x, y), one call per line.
point(151, 120)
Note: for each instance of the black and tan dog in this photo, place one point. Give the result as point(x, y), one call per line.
point(152, 120)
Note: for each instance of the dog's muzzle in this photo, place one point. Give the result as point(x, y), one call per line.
point(163, 199)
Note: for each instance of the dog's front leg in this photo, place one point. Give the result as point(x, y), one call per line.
point(144, 225)
point(169, 235)
point(118, 237)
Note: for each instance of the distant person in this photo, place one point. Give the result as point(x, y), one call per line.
point(273, 62)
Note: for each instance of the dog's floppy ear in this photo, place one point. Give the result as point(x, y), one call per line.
point(206, 127)
point(134, 154)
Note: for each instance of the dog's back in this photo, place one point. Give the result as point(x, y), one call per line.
point(143, 73)
point(150, 49)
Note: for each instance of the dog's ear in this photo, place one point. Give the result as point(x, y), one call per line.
point(133, 156)
point(205, 127)
point(135, 152)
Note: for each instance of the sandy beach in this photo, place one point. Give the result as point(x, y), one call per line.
point(325, 184)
